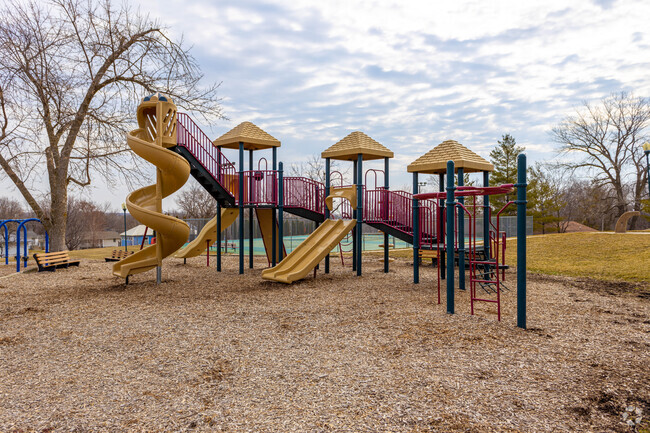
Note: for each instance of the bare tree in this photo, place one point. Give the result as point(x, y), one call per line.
point(604, 140)
point(71, 75)
point(196, 202)
point(314, 168)
point(85, 221)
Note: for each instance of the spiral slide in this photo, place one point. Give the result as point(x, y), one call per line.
point(157, 121)
point(208, 234)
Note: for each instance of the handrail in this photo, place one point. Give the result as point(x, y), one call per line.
point(192, 138)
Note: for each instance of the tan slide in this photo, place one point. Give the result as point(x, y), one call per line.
point(310, 252)
point(156, 132)
point(265, 219)
point(208, 234)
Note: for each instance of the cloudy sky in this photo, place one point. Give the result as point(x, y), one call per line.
point(410, 73)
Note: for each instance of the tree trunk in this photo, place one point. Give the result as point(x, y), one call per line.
point(58, 218)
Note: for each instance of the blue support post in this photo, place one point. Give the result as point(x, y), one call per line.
point(416, 232)
point(461, 233)
point(441, 232)
point(6, 244)
point(274, 234)
point(280, 212)
point(241, 207)
point(18, 249)
point(354, 217)
point(327, 211)
point(385, 211)
point(450, 237)
point(486, 217)
point(521, 240)
point(218, 237)
point(250, 210)
point(359, 212)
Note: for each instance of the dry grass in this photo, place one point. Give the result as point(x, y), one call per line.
point(225, 352)
point(601, 256)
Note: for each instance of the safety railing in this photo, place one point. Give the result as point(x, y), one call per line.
point(260, 187)
point(192, 138)
point(304, 193)
point(395, 208)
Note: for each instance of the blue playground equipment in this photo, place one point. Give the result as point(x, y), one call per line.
point(21, 225)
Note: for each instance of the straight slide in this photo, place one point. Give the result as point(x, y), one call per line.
point(310, 252)
point(208, 234)
point(265, 219)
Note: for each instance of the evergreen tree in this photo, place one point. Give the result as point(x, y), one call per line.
point(544, 200)
point(504, 159)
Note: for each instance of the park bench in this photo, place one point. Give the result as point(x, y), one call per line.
point(118, 255)
point(428, 254)
point(52, 261)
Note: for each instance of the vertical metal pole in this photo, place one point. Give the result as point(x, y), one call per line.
point(521, 241)
point(47, 243)
point(280, 212)
point(450, 237)
point(359, 212)
point(218, 237)
point(416, 232)
point(441, 234)
point(385, 212)
point(7, 244)
point(207, 257)
point(354, 216)
point(461, 234)
point(327, 211)
point(241, 207)
point(250, 209)
point(18, 249)
point(124, 211)
point(486, 217)
point(274, 221)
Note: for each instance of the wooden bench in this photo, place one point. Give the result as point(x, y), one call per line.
point(118, 255)
point(428, 254)
point(52, 261)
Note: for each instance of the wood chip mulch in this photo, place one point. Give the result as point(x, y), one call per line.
point(209, 351)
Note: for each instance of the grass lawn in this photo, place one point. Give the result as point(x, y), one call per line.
point(603, 256)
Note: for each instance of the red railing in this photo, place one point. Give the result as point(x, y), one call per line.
point(395, 208)
point(260, 187)
point(301, 192)
point(211, 158)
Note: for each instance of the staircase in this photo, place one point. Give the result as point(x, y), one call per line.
point(207, 164)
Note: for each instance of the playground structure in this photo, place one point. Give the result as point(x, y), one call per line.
point(178, 147)
point(21, 225)
point(156, 132)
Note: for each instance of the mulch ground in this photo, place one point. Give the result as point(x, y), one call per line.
point(209, 351)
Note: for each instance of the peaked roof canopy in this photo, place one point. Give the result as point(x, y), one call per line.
point(354, 144)
point(253, 137)
point(435, 160)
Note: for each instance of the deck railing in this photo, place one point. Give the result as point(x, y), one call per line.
point(200, 146)
point(304, 193)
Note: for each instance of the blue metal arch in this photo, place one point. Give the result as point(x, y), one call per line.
point(21, 224)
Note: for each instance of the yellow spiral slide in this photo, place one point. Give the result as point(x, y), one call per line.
point(156, 132)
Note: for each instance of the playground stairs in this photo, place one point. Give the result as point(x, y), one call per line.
point(205, 160)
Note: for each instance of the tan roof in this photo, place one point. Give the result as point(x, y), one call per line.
point(435, 160)
point(354, 144)
point(253, 137)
